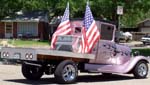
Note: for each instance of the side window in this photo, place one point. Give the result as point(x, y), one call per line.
point(107, 32)
point(78, 29)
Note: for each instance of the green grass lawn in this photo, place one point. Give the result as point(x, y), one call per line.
point(28, 43)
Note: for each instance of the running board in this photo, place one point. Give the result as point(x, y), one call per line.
point(106, 68)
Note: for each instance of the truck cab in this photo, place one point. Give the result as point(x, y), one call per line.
point(105, 50)
point(72, 42)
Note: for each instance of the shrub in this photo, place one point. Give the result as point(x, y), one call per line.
point(144, 52)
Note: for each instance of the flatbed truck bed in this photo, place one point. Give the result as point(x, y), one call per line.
point(35, 54)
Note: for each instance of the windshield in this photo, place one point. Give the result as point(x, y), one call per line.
point(66, 38)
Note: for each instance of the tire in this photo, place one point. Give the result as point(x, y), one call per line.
point(31, 72)
point(66, 72)
point(141, 70)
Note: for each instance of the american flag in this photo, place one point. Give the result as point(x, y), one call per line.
point(90, 32)
point(63, 28)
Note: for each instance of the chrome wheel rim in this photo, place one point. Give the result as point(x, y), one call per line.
point(69, 73)
point(142, 69)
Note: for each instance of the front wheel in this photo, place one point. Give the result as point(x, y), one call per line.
point(66, 72)
point(141, 70)
point(31, 72)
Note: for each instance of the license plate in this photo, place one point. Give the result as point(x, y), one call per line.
point(17, 56)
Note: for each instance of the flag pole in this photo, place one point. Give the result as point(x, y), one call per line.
point(68, 4)
point(87, 2)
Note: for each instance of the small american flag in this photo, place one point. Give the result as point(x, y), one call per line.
point(90, 32)
point(63, 28)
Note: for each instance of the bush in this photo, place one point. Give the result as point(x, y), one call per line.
point(144, 52)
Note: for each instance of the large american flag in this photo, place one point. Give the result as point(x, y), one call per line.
point(63, 28)
point(90, 32)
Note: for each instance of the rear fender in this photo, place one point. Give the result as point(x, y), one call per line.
point(134, 61)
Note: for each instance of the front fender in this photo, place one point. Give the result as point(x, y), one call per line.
point(132, 63)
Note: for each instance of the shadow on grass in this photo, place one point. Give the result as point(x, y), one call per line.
point(81, 78)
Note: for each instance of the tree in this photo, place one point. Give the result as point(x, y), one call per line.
point(134, 10)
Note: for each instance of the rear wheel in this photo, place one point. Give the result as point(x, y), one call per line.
point(141, 70)
point(32, 72)
point(66, 72)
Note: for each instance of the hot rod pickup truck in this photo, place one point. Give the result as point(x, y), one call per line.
point(65, 62)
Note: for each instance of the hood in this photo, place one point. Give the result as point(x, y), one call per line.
point(125, 50)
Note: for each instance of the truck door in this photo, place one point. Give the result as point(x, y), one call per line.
point(105, 53)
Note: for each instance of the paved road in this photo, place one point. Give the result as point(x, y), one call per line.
point(11, 75)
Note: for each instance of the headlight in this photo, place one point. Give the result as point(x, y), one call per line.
point(4, 54)
point(30, 56)
point(7, 54)
point(27, 56)
point(136, 53)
